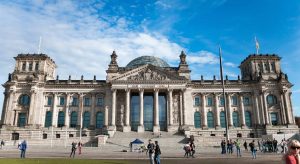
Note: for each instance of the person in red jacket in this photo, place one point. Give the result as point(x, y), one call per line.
point(292, 155)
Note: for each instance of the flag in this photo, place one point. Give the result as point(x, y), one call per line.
point(256, 45)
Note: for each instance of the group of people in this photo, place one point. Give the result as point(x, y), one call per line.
point(227, 147)
point(153, 150)
point(189, 149)
point(74, 147)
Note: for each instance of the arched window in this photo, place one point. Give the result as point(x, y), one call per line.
point(210, 120)
point(248, 119)
point(73, 120)
point(235, 119)
point(61, 119)
point(86, 119)
point(222, 119)
point(48, 119)
point(24, 100)
point(99, 120)
point(274, 118)
point(271, 100)
point(197, 119)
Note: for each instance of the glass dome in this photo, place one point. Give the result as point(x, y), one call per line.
point(147, 60)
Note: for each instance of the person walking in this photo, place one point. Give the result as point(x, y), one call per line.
point(79, 145)
point(238, 148)
point(292, 155)
point(192, 151)
point(187, 150)
point(150, 151)
point(157, 153)
point(253, 149)
point(246, 145)
point(223, 146)
point(2, 144)
point(23, 147)
point(73, 149)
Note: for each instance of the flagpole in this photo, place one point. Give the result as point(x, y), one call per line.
point(224, 98)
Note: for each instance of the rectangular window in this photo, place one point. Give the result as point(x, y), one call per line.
point(23, 66)
point(36, 66)
point(49, 101)
point(30, 67)
point(61, 101)
point(197, 101)
point(99, 101)
point(209, 101)
point(75, 101)
point(87, 101)
point(246, 101)
point(234, 101)
point(222, 101)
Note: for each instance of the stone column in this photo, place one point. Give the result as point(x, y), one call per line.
point(113, 108)
point(291, 107)
point(54, 111)
point(67, 113)
point(217, 111)
point(180, 109)
point(30, 116)
point(127, 127)
point(170, 96)
point(229, 111)
point(264, 96)
point(282, 109)
point(184, 114)
point(287, 109)
point(106, 116)
point(256, 108)
point(141, 123)
point(262, 109)
point(242, 111)
point(5, 119)
point(93, 112)
point(81, 111)
point(156, 111)
point(204, 115)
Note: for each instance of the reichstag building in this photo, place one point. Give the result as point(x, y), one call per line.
point(145, 95)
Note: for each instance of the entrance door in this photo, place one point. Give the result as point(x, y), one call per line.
point(22, 120)
point(162, 112)
point(135, 112)
point(148, 112)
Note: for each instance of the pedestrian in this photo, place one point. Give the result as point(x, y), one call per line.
point(150, 151)
point(192, 151)
point(187, 150)
point(253, 149)
point(223, 146)
point(157, 153)
point(2, 144)
point(275, 142)
point(79, 145)
point(23, 147)
point(259, 145)
point(238, 148)
point(246, 145)
point(292, 155)
point(73, 149)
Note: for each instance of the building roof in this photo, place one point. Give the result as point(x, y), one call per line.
point(142, 60)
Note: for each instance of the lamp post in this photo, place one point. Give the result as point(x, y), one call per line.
point(68, 112)
point(223, 88)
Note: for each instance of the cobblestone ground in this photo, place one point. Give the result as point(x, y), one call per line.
point(168, 157)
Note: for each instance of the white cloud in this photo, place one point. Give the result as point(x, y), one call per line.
point(203, 57)
point(229, 64)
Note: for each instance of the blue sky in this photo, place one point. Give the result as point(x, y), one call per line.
point(80, 35)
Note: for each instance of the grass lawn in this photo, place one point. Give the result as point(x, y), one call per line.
point(65, 161)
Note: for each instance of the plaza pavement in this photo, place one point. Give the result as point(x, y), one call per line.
point(204, 155)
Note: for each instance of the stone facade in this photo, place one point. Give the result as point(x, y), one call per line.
point(36, 102)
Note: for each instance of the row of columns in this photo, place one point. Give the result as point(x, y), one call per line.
point(141, 116)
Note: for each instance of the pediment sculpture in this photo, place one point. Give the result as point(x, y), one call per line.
point(148, 74)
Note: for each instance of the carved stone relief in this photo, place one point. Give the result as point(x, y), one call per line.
point(148, 74)
point(176, 106)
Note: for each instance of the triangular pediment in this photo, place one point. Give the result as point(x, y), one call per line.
point(148, 73)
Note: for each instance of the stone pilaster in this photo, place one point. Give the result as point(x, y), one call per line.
point(106, 116)
point(67, 112)
point(113, 110)
point(229, 111)
point(264, 96)
point(54, 110)
point(242, 111)
point(30, 118)
point(217, 111)
point(256, 109)
point(170, 96)
point(204, 113)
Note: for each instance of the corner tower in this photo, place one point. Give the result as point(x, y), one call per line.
point(265, 67)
